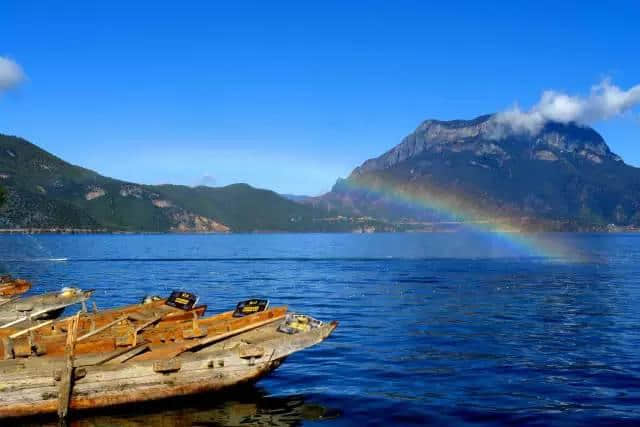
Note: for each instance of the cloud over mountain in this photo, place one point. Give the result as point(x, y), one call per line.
point(605, 100)
point(207, 180)
point(11, 74)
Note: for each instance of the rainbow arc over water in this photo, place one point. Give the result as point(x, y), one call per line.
point(468, 214)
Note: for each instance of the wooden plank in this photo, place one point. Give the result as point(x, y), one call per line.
point(149, 323)
point(164, 333)
point(209, 340)
point(33, 316)
point(89, 321)
point(7, 301)
point(133, 352)
point(122, 352)
point(170, 365)
point(102, 328)
point(66, 382)
point(31, 329)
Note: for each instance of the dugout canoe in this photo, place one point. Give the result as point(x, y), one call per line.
point(36, 386)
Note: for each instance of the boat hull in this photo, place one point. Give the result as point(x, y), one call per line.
point(30, 387)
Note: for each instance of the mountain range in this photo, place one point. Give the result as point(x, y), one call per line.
point(563, 177)
point(46, 193)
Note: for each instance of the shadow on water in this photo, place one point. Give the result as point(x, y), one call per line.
point(246, 405)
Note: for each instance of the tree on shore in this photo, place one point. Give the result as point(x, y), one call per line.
point(3, 196)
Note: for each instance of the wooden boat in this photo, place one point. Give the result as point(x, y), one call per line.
point(169, 343)
point(40, 307)
point(91, 320)
point(10, 286)
point(168, 332)
point(37, 386)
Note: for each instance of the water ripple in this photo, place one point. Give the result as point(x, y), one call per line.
point(423, 338)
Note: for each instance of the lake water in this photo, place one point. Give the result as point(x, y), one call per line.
point(457, 328)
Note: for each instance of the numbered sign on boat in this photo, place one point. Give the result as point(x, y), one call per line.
point(250, 306)
point(182, 300)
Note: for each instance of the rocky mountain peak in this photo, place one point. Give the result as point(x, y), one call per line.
point(484, 136)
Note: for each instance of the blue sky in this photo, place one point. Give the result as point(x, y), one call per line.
point(291, 95)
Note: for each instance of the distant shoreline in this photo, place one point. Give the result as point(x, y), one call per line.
point(79, 231)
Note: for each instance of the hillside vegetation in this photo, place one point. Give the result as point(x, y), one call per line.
point(45, 192)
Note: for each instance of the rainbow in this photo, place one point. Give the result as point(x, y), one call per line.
point(464, 212)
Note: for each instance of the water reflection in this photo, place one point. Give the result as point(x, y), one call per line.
point(247, 405)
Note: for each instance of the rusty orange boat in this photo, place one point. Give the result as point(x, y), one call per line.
point(166, 333)
point(10, 287)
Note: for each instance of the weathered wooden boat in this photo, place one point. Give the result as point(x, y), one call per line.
point(40, 307)
point(167, 332)
point(91, 320)
point(10, 286)
point(200, 333)
point(37, 386)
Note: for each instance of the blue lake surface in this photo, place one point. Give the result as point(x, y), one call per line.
point(452, 328)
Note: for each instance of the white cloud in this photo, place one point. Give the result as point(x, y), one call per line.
point(605, 100)
point(11, 74)
point(207, 180)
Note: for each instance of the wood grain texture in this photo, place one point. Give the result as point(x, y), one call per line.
point(28, 387)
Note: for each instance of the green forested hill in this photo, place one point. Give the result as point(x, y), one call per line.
point(44, 191)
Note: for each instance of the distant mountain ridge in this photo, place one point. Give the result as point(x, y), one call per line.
point(564, 177)
point(296, 197)
point(45, 192)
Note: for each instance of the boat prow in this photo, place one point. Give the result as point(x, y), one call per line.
point(33, 386)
